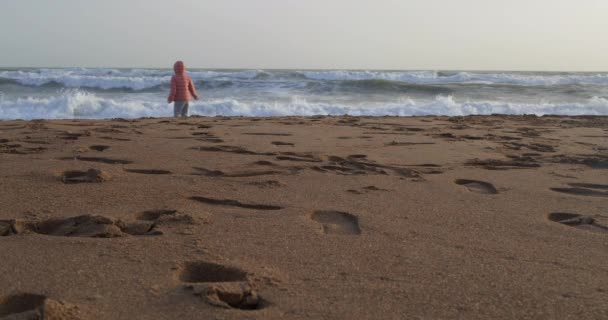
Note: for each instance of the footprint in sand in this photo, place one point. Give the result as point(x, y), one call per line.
point(89, 176)
point(204, 133)
point(70, 136)
point(267, 184)
point(366, 190)
point(202, 272)
point(152, 215)
point(148, 171)
point(34, 306)
point(235, 203)
point(295, 158)
point(298, 156)
point(163, 217)
point(281, 143)
point(585, 189)
point(98, 159)
point(35, 141)
point(243, 174)
point(211, 139)
point(207, 137)
point(396, 143)
point(265, 163)
point(219, 285)
point(496, 164)
point(268, 134)
point(6, 228)
point(336, 222)
point(592, 161)
point(534, 146)
point(115, 138)
point(81, 226)
point(360, 165)
point(99, 147)
point(589, 185)
point(477, 186)
point(231, 149)
point(111, 129)
point(15, 148)
point(578, 221)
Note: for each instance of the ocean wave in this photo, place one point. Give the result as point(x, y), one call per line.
point(71, 79)
point(106, 79)
point(441, 105)
point(78, 104)
point(145, 79)
point(434, 77)
point(375, 86)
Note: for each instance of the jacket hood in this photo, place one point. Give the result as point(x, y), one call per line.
point(179, 67)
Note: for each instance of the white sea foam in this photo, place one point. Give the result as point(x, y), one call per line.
point(441, 105)
point(78, 104)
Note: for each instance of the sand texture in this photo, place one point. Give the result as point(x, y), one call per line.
point(482, 217)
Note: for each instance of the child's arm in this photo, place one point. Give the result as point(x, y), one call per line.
point(171, 97)
point(192, 89)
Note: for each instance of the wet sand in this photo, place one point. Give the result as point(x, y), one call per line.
point(482, 217)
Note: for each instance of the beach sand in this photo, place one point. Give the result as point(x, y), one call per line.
point(481, 217)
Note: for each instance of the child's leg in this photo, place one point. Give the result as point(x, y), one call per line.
point(177, 108)
point(185, 109)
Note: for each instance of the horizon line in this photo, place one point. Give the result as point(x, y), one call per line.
point(315, 69)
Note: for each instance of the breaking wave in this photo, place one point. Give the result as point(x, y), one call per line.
point(78, 104)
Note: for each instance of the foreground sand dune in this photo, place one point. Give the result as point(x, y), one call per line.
point(484, 217)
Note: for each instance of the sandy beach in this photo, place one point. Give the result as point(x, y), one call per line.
point(479, 217)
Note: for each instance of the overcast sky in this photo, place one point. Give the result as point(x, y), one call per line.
point(317, 34)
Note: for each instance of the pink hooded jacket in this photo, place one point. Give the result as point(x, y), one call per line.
point(182, 87)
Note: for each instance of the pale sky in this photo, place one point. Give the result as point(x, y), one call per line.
point(312, 34)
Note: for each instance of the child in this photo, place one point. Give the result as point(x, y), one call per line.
point(182, 90)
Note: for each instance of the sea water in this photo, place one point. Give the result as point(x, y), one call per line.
point(69, 93)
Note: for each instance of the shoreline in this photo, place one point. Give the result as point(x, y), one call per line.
point(498, 115)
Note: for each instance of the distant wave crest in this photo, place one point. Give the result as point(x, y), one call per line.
point(142, 79)
point(433, 77)
point(106, 79)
